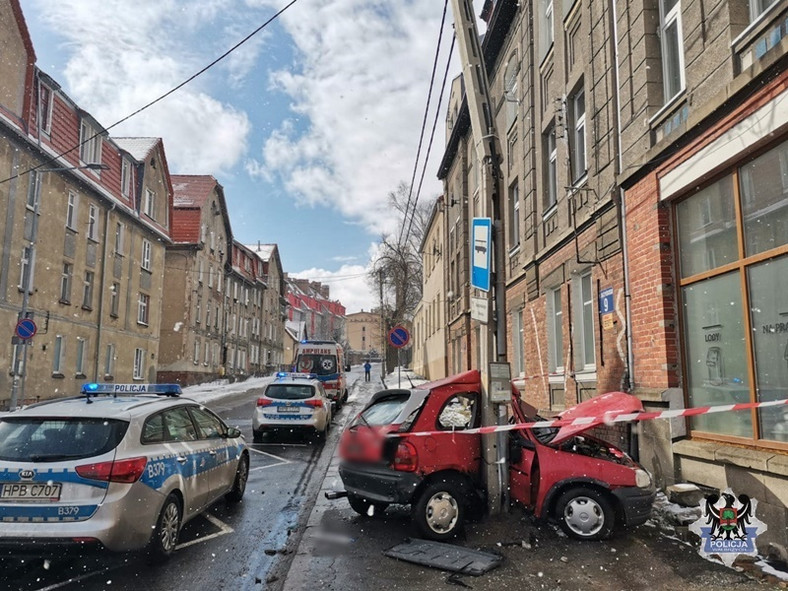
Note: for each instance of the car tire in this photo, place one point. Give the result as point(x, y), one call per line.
point(439, 513)
point(361, 506)
point(236, 493)
point(257, 436)
point(585, 513)
point(345, 397)
point(165, 534)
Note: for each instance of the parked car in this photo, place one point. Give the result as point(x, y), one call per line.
point(588, 485)
point(122, 467)
point(293, 402)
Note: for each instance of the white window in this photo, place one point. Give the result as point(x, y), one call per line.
point(206, 353)
point(93, 223)
point(203, 232)
point(577, 143)
point(71, 211)
point(555, 338)
point(58, 354)
point(146, 254)
point(87, 290)
point(114, 302)
point(150, 202)
point(33, 190)
point(514, 216)
point(758, 7)
point(210, 275)
point(546, 19)
point(89, 144)
point(585, 325)
point(125, 177)
point(219, 280)
point(120, 238)
point(208, 316)
point(143, 308)
point(196, 354)
point(139, 364)
point(198, 311)
point(65, 282)
point(551, 194)
point(26, 269)
point(510, 86)
point(45, 107)
point(199, 271)
point(109, 361)
point(672, 48)
point(518, 359)
point(80, 365)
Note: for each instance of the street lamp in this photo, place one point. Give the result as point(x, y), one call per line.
point(20, 371)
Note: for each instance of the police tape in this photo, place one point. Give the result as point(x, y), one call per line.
point(608, 418)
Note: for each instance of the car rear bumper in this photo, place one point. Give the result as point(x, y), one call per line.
point(378, 483)
point(635, 503)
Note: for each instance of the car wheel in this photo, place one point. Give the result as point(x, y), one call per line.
point(362, 506)
point(257, 436)
point(585, 514)
point(239, 484)
point(440, 511)
point(165, 534)
point(344, 398)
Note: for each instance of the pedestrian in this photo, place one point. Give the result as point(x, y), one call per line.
point(367, 368)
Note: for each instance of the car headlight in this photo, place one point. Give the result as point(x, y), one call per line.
point(642, 478)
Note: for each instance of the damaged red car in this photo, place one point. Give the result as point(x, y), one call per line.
point(410, 446)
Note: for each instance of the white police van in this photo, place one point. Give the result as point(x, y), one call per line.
point(325, 359)
point(122, 467)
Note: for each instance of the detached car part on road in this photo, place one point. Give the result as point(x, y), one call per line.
point(586, 484)
point(122, 467)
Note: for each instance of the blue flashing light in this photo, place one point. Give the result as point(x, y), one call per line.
point(93, 388)
point(281, 374)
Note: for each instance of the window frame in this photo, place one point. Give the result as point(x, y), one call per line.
point(551, 170)
point(90, 143)
point(72, 207)
point(138, 369)
point(666, 21)
point(143, 309)
point(66, 280)
point(555, 335)
point(93, 221)
point(578, 161)
point(146, 254)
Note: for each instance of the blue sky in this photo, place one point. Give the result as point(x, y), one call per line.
point(308, 126)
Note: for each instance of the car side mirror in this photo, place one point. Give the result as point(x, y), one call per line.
point(233, 432)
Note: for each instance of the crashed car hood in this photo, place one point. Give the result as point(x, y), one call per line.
point(602, 408)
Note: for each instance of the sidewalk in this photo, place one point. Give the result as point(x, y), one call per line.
point(342, 550)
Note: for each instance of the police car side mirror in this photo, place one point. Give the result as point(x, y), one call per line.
point(232, 432)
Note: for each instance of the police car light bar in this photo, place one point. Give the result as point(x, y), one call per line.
point(296, 375)
point(93, 389)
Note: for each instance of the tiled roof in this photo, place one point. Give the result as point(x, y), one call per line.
point(192, 190)
point(138, 147)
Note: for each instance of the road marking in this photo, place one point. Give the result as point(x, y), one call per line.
point(77, 579)
point(281, 462)
point(224, 529)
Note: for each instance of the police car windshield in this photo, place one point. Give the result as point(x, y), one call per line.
point(321, 365)
point(290, 391)
point(30, 439)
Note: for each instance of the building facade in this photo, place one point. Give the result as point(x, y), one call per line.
point(365, 336)
point(274, 312)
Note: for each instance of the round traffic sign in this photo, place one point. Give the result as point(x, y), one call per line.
point(399, 337)
point(26, 328)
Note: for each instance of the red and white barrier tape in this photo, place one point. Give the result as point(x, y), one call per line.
point(610, 418)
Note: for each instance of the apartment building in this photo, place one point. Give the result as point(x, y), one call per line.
point(195, 323)
point(274, 311)
point(85, 226)
point(365, 336)
point(310, 303)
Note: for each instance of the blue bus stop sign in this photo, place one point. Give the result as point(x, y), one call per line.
point(26, 328)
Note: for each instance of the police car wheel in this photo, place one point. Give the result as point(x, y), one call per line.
point(239, 484)
point(585, 513)
point(165, 535)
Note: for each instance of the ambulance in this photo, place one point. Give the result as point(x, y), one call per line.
point(326, 359)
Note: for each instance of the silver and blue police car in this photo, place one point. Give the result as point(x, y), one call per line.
point(293, 402)
point(123, 467)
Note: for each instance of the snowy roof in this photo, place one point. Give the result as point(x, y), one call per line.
point(264, 251)
point(138, 147)
point(192, 190)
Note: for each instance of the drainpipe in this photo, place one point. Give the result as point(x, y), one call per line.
point(102, 283)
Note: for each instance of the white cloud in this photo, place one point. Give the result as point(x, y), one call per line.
point(362, 84)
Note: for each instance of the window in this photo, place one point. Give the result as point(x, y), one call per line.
point(514, 216)
point(120, 236)
point(577, 141)
point(93, 223)
point(109, 361)
point(208, 316)
point(758, 7)
point(672, 48)
point(125, 177)
point(87, 290)
point(58, 353)
point(210, 275)
point(146, 254)
point(33, 190)
point(550, 155)
point(196, 353)
point(459, 412)
point(555, 336)
point(45, 107)
point(198, 311)
point(26, 269)
point(65, 283)
point(114, 299)
point(586, 349)
point(143, 307)
point(206, 353)
point(510, 88)
point(545, 17)
point(518, 359)
point(71, 211)
point(89, 144)
point(148, 207)
point(139, 364)
point(199, 271)
point(80, 365)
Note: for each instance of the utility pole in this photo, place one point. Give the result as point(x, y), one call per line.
point(493, 331)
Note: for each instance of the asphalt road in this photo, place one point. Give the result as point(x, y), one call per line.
point(239, 548)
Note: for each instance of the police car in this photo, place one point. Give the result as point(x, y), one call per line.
point(293, 402)
point(123, 467)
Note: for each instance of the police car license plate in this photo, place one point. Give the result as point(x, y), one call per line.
point(287, 409)
point(31, 491)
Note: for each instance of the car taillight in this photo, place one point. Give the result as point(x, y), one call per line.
point(315, 403)
point(264, 401)
point(127, 471)
point(406, 460)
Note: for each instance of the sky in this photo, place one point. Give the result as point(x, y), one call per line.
point(308, 126)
